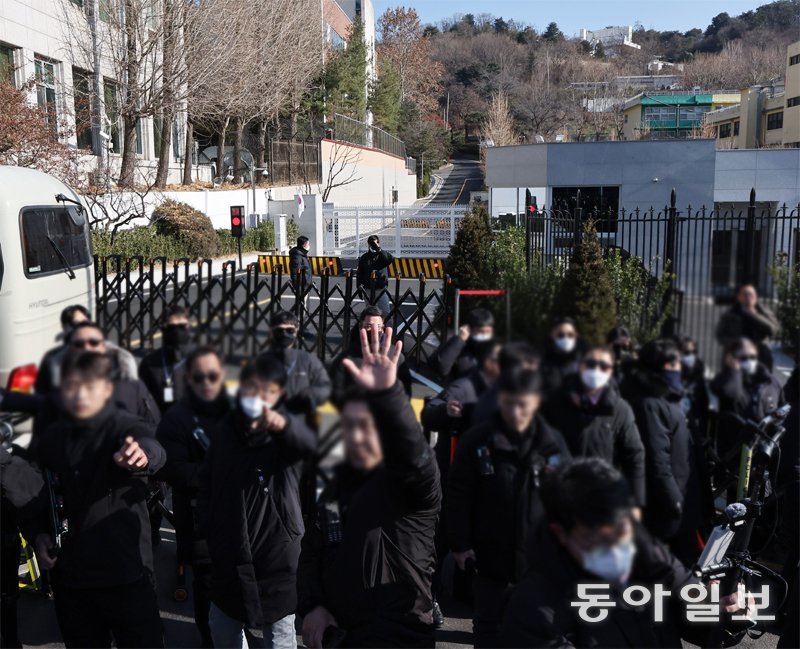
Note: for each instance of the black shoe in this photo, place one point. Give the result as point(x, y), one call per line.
point(438, 617)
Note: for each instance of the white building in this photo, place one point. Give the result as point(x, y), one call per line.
point(610, 37)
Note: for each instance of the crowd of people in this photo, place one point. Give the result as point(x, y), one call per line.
point(536, 472)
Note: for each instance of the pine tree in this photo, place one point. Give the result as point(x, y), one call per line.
point(385, 98)
point(469, 255)
point(587, 294)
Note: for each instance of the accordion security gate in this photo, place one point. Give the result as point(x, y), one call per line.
point(232, 308)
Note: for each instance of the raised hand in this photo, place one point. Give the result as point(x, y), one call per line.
point(131, 456)
point(378, 370)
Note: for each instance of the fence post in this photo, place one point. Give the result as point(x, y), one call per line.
point(323, 313)
point(397, 230)
point(750, 226)
point(452, 226)
point(358, 235)
point(576, 223)
point(669, 259)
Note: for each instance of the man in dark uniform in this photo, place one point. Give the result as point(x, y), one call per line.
point(366, 565)
point(375, 260)
point(163, 370)
point(299, 264)
point(456, 358)
point(99, 456)
point(493, 506)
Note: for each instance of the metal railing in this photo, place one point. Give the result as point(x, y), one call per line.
point(352, 131)
point(416, 231)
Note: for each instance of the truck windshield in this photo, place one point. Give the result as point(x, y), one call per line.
point(52, 242)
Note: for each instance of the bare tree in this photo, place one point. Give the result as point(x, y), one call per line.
point(341, 168)
point(500, 127)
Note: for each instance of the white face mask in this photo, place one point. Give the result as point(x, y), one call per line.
point(749, 366)
point(252, 407)
point(595, 379)
point(481, 338)
point(566, 345)
point(613, 564)
point(688, 360)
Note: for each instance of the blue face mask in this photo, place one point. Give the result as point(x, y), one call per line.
point(673, 379)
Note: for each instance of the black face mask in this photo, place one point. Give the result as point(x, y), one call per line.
point(177, 336)
point(284, 338)
point(375, 247)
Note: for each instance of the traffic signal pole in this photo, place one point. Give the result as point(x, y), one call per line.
point(237, 228)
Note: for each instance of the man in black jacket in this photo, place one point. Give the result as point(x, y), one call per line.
point(562, 354)
point(366, 565)
point(300, 268)
point(308, 384)
point(375, 260)
point(677, 510)
point(748, 318)
point(249, 505)
point(185, 432)
point(493, 505)
point(370, 318)
point(102, 574)
point(163, 371)
point(591, 538)
point(596, 421)
point(47, 375)
point(456, 358)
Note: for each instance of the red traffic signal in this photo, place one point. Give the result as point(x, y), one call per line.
point(237, 221)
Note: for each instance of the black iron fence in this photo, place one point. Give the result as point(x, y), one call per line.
point(708, 251)
point(232, 309)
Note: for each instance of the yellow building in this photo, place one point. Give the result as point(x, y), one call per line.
point(767, 116)
point(671, 114)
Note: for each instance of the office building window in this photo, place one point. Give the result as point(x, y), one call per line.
point(81, 94)
point(111, 101)
point(775, 120)
point(736, 128)
point(794, 60)
point(599, 203)
point(724, 130)
point(7, 66)
point(693, 113)
point(792, 102)
point(46, 91)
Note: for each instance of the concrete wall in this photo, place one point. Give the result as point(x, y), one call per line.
point(774, 173)
point(370, 176)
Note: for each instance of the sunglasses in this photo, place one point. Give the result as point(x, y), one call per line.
point(88, 342)
point(748, 358)
point(211, 377)
point(603, 365)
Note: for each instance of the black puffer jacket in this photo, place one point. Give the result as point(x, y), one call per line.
point(163, 367)
point(556, 365)
point(749, 396)
point(369, 558)
point(307, 382)
point(540, 614)
point(675, 499)
point(493, 506)
point(249, 506)
point(108, 543)
point(376, 262)
point(606, 430)
point(300, 266)
point(185, 456)
point(454, 359)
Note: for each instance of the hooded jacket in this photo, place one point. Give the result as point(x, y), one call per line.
point(675, 498)
point(108, 542)
point(249, 506)
point(369, 557)
point(606, 429)
point(493, 504)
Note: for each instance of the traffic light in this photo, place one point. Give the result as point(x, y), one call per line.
point(530, 203)
point(237, 221)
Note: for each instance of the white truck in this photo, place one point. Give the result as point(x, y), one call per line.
point(45, 265)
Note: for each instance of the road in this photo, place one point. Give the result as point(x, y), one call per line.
point(460, 178)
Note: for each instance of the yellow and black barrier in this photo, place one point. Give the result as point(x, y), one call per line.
point(266, 264)
point(412, 268)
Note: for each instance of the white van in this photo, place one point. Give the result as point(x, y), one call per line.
point(45, 265)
